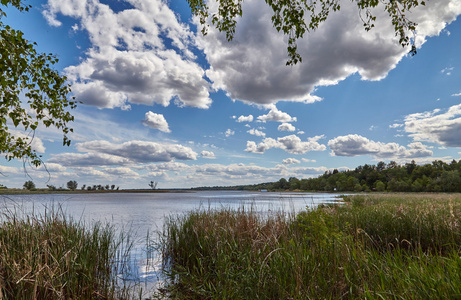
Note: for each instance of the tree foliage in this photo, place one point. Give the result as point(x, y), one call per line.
point(99, 187)
point(296, 17)
point(51, 187)
point(29, 185)
point(72, 185)
point(153, 184)
point(437, 176)
point(32, 93)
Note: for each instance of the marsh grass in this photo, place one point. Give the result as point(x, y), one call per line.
point(51, 256)
point(374, 247)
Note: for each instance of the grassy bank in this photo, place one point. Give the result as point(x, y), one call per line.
point(376, 247)
point(53, 257)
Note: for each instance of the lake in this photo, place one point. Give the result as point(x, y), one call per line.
point(144, 213)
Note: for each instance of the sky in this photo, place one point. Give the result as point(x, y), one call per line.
point(162, 102)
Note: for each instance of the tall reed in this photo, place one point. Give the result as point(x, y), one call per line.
point(51, 256)
point(372, 247)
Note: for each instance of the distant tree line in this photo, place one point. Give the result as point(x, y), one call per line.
point(71, 185)
point(410, 177)
point(437, 176)
point(100, 187)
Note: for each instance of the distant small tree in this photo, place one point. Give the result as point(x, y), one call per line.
point(381, 166)
point(112, 187)
point(107, 187)
point(29, 185)
point(293, 183)
point(450, 181)
point(51, 187)
point(358, 188)
point(417, 186)
point(153, 185)
point(283, 184)
point(366, 188)
point(72, 185)
point(83, 187)
point(380, 186)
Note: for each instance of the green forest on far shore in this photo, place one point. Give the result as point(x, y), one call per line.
point(437, 176)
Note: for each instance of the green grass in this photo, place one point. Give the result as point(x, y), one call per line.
point(375, 247)
point(51, 256)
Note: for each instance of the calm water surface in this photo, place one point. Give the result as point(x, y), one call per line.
point(144, 213)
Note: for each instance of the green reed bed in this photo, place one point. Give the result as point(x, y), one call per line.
point(375, 247)
point(53, 257)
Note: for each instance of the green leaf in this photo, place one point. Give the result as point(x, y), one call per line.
point(296, 17)
point(24, 71)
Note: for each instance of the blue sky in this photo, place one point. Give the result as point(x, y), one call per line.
point(162, 102)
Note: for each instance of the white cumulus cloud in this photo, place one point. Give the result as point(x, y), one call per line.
point(396, 125)
point(286, 127)
point(276, 115)
point(8, 170)
point(439, 127)
point(166, 166)
point(248, 118)
point(52, 167)
point(121, 172)
point(208, 154)
point(290, 161)
point(35, 142)
point(256, 132)
point(156, 121)
point(291, 144)
point(128, 60)
point(355, 145)
point(253, 172)
point(308, 160)
point(87, 159)
point(251, 68)
point(140, 151)
point(229, 132)
point(104, 153)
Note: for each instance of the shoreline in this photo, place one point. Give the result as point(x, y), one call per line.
point(64, 191)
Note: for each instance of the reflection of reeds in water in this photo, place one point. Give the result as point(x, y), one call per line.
point(51, 256)
point(380, 246)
